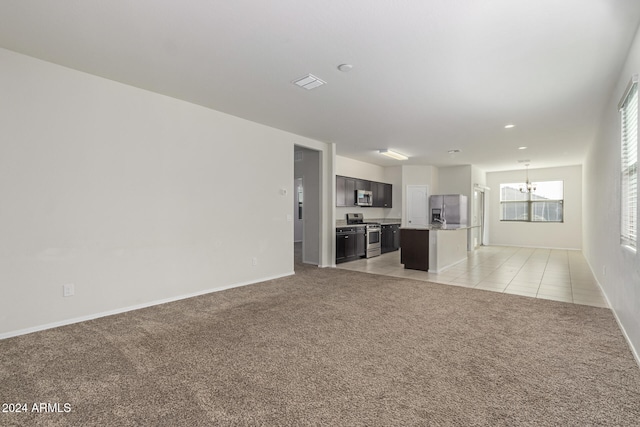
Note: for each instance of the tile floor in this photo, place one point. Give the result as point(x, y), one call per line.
point(561, 275)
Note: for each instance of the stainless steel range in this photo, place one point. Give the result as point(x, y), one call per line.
point(374, 233)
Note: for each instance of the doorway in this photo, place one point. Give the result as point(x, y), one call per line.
point(478, 219)
point(307, 205)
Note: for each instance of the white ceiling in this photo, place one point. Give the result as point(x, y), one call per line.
point(428, 75)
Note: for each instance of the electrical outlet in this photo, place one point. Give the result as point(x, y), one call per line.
point(68, 290)
point(254, 261)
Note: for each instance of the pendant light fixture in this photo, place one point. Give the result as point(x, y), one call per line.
point(528, 186)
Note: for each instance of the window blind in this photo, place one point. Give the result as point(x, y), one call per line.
point(629, 158)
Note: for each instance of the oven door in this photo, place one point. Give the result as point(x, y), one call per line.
point(373, 237)
point(374, 245)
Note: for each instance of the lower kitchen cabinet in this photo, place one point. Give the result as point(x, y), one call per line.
point(390, 240)
point(350, 243)
point(415, 249)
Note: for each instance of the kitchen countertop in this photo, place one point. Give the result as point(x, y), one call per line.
point(381, 221)
point(449, 227)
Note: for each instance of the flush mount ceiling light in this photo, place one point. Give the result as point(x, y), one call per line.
point(393, 154)
point(509, 126)
point(309, 82)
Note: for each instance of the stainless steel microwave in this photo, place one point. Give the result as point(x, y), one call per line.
point(364, 198)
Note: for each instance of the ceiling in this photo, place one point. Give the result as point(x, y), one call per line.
point(428, 76)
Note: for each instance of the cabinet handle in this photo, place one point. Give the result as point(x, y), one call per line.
point(346, 237)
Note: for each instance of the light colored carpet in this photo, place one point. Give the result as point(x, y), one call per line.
point(331, 347)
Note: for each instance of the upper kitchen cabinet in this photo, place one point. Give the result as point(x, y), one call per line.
point(346, 192)
point(362, 184)
point(382, 194)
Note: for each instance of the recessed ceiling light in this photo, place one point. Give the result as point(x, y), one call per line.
point(509, 126)
point(345, 68)
point(522, 148)
point(309, 82)
point(393, 154)
point(453, 151)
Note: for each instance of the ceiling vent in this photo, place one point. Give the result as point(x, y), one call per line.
point(309, 82)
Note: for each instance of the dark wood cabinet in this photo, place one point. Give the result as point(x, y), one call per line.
point(390, 239)
point(346, 192)
point(388, 197)
point(362, 184)
point(350, 243)
point(382, 194)
point(414, 249)
point(377, 189)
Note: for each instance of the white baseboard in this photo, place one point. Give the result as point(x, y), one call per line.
point(135, 307)
point(634, 351)
point(533, 247)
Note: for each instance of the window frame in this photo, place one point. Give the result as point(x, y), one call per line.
point(629, 110)
point(530, 203)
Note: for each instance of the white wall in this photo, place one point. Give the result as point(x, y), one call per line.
point(478, 176)
point(565, 235)
point(133, 197)
point(616, 269)
point(357, 169)
point(455, 180)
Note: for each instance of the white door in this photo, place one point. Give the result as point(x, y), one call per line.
point(417, 205)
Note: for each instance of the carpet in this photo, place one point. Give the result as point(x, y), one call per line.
point(329, 347)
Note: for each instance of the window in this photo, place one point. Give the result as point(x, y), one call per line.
point(629, 171)
point(544, 204)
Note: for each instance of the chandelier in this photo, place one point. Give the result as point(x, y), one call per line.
point(528, 186)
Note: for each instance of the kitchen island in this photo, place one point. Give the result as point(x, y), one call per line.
point(432, 248)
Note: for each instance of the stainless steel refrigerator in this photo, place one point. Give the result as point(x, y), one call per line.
point(449, 208)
